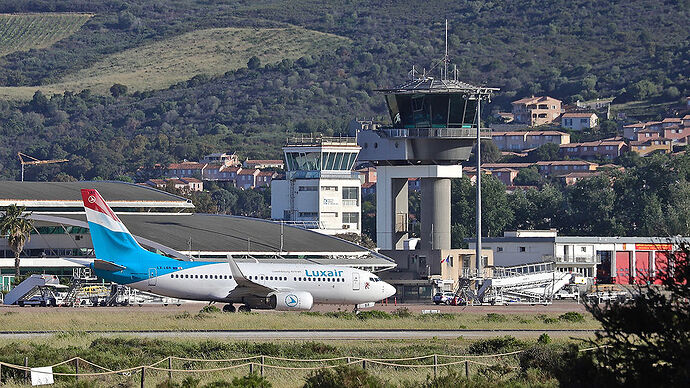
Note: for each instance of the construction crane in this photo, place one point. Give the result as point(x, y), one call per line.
point(33, 161)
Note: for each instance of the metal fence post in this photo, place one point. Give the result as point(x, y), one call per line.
point(262, 366)
point(251, 367)
point(170, 368)
point(435, 365)
point(348, 360)
point(26, 366)
point(364, 364)
point(467, 369)
point(143, 375)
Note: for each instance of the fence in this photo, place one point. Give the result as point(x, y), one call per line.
point(263, 362)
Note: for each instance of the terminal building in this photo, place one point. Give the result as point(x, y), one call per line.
point(161, 222)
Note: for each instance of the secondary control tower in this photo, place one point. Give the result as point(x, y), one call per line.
point(434, 127)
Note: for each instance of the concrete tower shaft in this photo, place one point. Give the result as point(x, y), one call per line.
point(435, 209)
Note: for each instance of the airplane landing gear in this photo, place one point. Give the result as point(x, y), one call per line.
point(244, 309)
point(229, 308)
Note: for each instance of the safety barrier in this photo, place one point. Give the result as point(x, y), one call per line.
point(260, 362)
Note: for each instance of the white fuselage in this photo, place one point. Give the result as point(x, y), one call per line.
point(326, 283)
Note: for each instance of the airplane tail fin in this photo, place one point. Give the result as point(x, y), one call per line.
point(112, 242)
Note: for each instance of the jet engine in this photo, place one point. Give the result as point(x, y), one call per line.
point(298, 300)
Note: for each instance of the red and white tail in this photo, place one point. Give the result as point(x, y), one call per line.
point(99, 213)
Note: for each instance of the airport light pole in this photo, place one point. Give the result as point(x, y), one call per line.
point(478, 154)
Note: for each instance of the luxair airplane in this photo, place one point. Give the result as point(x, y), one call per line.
point(119, 258)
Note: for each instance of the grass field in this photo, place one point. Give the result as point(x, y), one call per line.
point(123, 352)
point(210, 51)
point(23, 32)
point(106, 319)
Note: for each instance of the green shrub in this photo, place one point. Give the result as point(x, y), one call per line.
point(572, 316)
point(493, 317)
point(311, 313)
point(210, 309)
point(373, 314)
point(402, 312)
point(342, 377)
point(496, 345)
point(340, 314)
point(544, 339)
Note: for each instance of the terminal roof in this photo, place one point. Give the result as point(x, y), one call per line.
point(68, 195)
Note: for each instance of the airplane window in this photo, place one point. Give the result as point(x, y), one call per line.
point(328, 279)
point(262, 278)
point(294, 279)
point(271, 277)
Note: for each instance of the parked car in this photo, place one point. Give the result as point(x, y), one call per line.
point(444, 297)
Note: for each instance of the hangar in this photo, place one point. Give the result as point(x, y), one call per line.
point(163, 222)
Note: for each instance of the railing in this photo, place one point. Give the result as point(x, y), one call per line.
point(350, 202)
point(401, 225)
point(304, 224)
point(460, 133)
point(321, 141)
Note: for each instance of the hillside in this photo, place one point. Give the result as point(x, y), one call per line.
point(213, 51)
point(571, 50)
point(24, 32)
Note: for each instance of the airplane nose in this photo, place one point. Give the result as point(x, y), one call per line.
point(388, 291)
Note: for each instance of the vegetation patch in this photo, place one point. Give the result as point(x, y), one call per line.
point(24, 32)
point(496, 345)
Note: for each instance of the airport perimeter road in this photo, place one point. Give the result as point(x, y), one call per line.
point(322, 335)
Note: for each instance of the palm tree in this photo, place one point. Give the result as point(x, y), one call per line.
point(17, 228)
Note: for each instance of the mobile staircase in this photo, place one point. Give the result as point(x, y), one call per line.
point(36, 288)
point(535, 283)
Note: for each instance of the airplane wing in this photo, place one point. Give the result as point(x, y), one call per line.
point(246, 286)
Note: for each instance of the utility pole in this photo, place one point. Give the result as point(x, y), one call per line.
point(480, 263)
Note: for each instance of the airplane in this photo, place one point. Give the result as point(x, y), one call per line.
point(285, 287)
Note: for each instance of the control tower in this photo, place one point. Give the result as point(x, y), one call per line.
point(434, 127)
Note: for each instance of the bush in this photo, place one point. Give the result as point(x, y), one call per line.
point(544, 339)
point(493, 317)
point(572, 316)
point(373, 314)
point(210, 309)
point(342, 377)
point(402, 312)
point(496, 345)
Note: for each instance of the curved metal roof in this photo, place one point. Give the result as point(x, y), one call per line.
point(67, 194)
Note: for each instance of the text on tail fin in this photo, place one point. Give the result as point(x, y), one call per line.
point(93, 200)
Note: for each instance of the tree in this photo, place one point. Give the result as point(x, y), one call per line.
point(254, 63)
point(118, 90)
point(490, 152)
point(548, 151)
point(17, 228)
point(529, 176)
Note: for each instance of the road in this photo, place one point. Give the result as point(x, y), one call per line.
point(321, 335)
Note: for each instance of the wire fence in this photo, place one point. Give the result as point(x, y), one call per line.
point(260, 363)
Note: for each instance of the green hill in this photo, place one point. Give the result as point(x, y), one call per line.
point(213, 51)
point(23, 32)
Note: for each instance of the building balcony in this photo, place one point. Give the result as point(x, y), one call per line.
point(321, 141)
point(350, 202)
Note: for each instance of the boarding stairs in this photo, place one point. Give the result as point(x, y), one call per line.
point(535, 283)
point(32, 286)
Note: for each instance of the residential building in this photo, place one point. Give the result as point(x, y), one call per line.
point(560, 167)
point(573, 177)
point(264, 163)
point(367, 175)
point(600, 105)
point(186, 169)
point(619, 260)
point(599, 149)
point(630, 130)
point(220, 173)
point(536, 111)
point(577, 121)
point(505, 175)
point(264, 178)
point(653, 145)
point(520, 141)
point(246, 178)
point(187, 185)
point(222, 158)
point(320, 192)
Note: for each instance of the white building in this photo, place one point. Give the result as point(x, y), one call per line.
point(321, 191)
point(577, 121)
point(610, 259)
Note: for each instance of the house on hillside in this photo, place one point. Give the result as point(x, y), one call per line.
point(520, 141)
point(536, 111)
point(599, 149)
point(186, 169)
point(577, 121)
point(264, 178)
point(246, 178)
point(222, 158)
point(186, 185)
point(653, 145)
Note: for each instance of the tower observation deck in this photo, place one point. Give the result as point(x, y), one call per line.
point(435, 123)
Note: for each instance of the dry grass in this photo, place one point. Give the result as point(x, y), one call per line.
point(211, 51)
point(23, 32)
point(73, 344)
point(68, 319)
